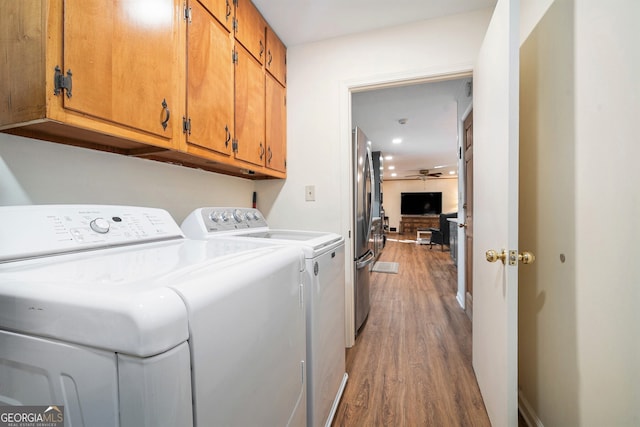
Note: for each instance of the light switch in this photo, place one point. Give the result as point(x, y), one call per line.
point(310, 193)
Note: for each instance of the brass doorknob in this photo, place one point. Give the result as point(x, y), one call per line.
point(526, 257)
point(513, 256)
point(462, 225)
point(493, 256)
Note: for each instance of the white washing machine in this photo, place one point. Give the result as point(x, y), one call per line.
point(325, 287)
point(112, 313)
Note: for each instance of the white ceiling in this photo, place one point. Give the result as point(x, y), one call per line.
point(303, 21)
point(429, 136)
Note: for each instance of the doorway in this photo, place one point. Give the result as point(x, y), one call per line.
point(427, 115)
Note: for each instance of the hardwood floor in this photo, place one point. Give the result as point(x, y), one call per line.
point(411, 364)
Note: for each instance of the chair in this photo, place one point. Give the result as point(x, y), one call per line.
point(440, 236)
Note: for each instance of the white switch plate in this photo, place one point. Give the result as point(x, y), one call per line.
point(310, 193)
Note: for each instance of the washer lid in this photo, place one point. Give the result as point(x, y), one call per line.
point(115, 299)
point(119, 299)
point(312, 242)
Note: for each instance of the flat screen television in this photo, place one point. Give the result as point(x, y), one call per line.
point(428, 203)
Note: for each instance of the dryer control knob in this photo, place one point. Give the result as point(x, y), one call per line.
point(100, 225)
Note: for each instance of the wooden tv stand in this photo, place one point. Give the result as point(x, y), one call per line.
point(411, 223)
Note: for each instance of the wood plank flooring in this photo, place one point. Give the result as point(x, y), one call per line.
point(411, 364)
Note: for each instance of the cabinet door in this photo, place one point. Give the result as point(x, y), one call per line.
point(209, 81)
point(276, 59)
point(249, 113)
point(250, 29)
point(124, 59)
point(222, 10)
point(276, 125)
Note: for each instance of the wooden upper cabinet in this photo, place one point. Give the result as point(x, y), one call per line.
point(276, 59)
point(250, 109)
point(276, 125)
point(155, 80)
point(222, 10)
point(250, 29)
point(122, 63)
point(105, 73)
point(210, 86)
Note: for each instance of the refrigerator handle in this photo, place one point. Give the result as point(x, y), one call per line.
point(370, 195)
point(367, 259)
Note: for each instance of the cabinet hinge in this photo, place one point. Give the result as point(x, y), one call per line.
point(186, 125)
point(235, 3)
point(60, 82)
point(188, 14)
point(234, 145)
point(235, 25)
point(234, 56)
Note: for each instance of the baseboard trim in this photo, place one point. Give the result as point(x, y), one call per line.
point(460, 300)
point(468, 307)
point(528, 413)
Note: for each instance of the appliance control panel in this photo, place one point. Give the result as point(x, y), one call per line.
point(218, 220)
point(42, 230)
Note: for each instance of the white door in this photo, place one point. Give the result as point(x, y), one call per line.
point(495, 298)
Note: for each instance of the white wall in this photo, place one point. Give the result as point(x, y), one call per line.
point(607, 66)
point(392, 189)
point(318, 110)
point(38, 172)
point(579, 335)
point(320, 76)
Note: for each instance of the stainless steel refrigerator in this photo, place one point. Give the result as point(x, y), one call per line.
point(363, 211)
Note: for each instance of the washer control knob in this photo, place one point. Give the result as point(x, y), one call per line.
point(215, 216)
point(238, 215)
point(100, 225)
point(257, 215)
point(226, 216)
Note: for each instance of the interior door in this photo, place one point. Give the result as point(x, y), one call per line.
point(495, 285)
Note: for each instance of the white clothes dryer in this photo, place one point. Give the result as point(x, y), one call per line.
point(324, 295)
point(110, 312)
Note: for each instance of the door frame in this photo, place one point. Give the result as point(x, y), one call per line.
point(347, 88)
point(462, 190)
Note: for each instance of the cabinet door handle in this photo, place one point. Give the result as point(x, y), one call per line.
point(165, 108)
point(228, 11)
point(261, 151)
point(226, 142)
point(270, 155)
point(270, 58)
point(261, 48)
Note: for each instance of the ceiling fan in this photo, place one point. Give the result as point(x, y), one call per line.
point(424, 174)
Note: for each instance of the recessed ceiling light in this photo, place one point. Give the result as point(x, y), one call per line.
point(391, 168)
point(396, 140)
point(388, 157)
point(452, 172)
point(394, 174)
